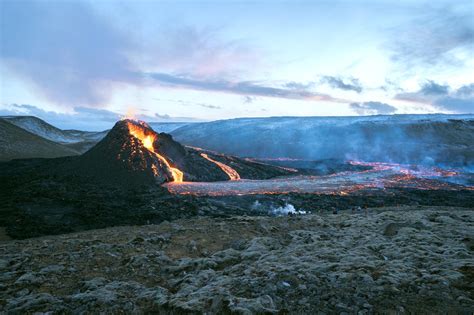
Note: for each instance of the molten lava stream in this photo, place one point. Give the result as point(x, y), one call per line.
point(233, 175)
point(148, 141)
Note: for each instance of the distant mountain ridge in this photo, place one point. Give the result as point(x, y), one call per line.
point(422, 139)
point(18, 143)
point(43, 129)
point(168, 126)
point(428, 139)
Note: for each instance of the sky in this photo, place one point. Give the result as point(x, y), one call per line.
point(85, 64)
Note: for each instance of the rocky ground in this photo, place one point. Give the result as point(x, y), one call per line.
point(409, 259)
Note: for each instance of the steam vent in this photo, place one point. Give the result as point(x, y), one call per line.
point(133, 153)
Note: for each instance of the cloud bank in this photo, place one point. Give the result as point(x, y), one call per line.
point(65, 50)
point(372, 108)
point(245, 88)
point(74, 57)
point(350, 84)
point(437, 37)
point(443, 97)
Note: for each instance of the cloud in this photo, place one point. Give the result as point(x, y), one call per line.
point(200, 52)
point(350, 84)
point(83, 118)
point(189, 103)
point(372, 108)
point(390, 86)
point(428, 91)
point(466, 90)
point(299, 85)
point(443, 97)
point(245, 88)
point(249, 99)
point(435, 38)
point(66, 51)
point(457, 105)
point(433, 88)
point(73, 56)
point(210, 106)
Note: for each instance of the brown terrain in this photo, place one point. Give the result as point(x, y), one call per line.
point(392, 260)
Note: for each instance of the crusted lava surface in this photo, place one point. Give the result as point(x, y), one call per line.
point(117, 182)
point(36, 202)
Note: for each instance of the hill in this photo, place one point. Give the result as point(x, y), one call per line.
point(418, 139)
point(77, 140)
point(43, 129)
point(17, 143)
point(134, 154)
point(168, 126)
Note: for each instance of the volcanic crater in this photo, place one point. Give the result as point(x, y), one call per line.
point(133, 153)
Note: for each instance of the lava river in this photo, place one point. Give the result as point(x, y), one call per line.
point(380, 176)
point(233, 175)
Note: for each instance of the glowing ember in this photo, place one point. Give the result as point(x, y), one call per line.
point(148, 140)
point(233, 175)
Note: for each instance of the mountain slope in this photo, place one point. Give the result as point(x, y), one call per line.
point(168, 126)
point(432, 139)
point(17, 143)
point(134, 154)
point(41, 128)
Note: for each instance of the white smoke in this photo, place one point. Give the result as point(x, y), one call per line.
point(286, 210)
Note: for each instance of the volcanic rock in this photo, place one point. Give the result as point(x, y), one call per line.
point(133, 154)
point(299, 265)
point(121, 157)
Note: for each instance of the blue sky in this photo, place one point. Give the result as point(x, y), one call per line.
point(84, 64)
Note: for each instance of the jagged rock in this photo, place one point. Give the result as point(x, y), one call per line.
point(294, 265)
point(3, 264)
point(116, 296)
point(30, 278)
point(41, 302)
point(52, 269)
point(391, 229)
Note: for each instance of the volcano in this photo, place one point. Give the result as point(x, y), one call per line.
point(133, 153)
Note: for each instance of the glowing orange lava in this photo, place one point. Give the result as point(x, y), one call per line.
point(233, 175)
point(148, 140)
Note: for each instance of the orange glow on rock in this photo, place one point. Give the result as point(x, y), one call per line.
point(148, 140)
point(233, 175)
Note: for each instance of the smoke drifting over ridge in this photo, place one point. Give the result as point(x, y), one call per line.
point(442, 140)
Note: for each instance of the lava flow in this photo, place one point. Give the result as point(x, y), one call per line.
point(148, 140)
point(381, 176)
point(233, 175)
